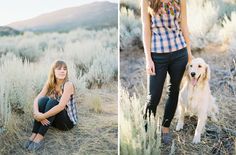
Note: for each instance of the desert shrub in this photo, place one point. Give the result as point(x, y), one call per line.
point(202, 16)
point(104, 69)
point(133, 138)
point(134, 5)
point(228, 31)
point(95, 103)
point(130, 28)
point(16, 81)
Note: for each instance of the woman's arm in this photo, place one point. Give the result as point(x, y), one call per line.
point(184, 27)
point(68, 90)
point(146, 29)
point(41, 94)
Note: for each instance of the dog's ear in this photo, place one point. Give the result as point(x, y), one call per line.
point(186, 71)
point(207, 75)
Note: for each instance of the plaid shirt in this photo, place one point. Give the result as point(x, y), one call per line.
point(70, 107)
point(72, 110)
point(166, 33)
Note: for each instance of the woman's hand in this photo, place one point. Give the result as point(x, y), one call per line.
point(150, 67)
point(39, 116)
point(45, 122)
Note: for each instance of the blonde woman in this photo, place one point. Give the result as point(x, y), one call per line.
point(54, 106)
point(167, 50)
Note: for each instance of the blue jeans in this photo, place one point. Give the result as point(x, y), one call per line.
point(60, 121)
point(174, 63)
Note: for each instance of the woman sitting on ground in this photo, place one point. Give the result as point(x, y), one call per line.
point(54, 106)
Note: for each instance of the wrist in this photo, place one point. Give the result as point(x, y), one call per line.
point(44, 116)
point(148, 58)
point(35, 112)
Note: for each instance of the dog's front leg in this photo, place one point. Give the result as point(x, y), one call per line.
point(181, 112)
point(200, 125)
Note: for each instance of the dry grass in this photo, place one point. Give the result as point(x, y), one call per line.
point(96, 133)
point(219, 137)
point(133, 137)
point(95, 103)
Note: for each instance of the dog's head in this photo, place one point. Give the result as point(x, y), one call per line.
point(198, 71)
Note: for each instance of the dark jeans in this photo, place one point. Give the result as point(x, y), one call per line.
point(174, 63)
point(60, 120)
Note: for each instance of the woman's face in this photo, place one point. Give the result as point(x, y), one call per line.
point(60, 72)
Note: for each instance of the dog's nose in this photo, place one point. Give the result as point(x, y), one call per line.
point(193, 74)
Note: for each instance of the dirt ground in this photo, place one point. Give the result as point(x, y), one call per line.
point(219, 137)
point(96, 132)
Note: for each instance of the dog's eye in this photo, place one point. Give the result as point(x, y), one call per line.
point(199, 66)
point(191, 65)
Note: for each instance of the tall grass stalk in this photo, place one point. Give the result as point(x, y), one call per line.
point(134, 140)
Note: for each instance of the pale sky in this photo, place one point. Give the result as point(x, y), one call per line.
point(16, 10)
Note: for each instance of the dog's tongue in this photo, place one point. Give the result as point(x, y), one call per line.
point(194, 81)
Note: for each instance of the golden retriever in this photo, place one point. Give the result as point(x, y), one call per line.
point(195, 97)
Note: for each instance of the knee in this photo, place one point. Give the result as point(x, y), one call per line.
point(51, 103)
point(42, 101)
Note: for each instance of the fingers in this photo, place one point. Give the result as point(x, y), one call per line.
point(45, 122)
point(148, 71)
point(151, 70)
point(150, 67)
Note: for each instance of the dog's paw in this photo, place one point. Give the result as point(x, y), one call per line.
point(179, 126)
point(196, 139)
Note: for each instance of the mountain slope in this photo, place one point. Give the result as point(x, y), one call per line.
point(8, 31)
point(92, 16)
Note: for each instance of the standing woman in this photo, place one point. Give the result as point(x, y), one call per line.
point(167, 49)
point(54, 106)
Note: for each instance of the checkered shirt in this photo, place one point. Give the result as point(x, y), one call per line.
point(70, 107)
point(166, 33)
point(72, 110)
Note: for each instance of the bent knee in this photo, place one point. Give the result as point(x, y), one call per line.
point(52, 102)
point(43, 100)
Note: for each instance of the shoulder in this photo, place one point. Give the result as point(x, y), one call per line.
point(46, 86)
point(182, 2)
point(69, 87)
point(144, 8)
point(144, 4)
point(68, 84)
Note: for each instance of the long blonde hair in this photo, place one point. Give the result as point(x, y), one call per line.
point(154, 6)
point(52, 81)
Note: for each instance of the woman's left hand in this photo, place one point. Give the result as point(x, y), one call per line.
point(39, 116)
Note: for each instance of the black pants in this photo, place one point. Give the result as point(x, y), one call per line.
point(174, 63)
point(60, 120)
